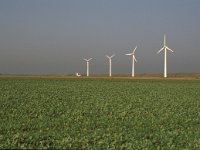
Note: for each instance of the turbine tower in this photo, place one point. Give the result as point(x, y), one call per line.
point(165, 48)
point(133, 61)
point(88, 60)
point(110, 64)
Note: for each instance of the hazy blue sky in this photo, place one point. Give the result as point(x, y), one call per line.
point(53, 36)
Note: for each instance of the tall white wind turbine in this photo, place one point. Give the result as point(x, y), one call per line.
point(133, 61)
point(87, 61)
point(165, 48)
point(110, 64)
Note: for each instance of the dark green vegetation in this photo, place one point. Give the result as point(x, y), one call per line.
point(99, 113)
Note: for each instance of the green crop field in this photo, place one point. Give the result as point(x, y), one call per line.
point(99, 113)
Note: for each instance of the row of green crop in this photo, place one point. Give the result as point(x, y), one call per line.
point(99, 113)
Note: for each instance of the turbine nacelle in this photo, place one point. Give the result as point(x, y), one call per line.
point(87, 59)
point(110, 57)
point(165, 47)
point(132, 54)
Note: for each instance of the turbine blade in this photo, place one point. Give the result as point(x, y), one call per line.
point(164, 39)
point(160, 50)
point(87, 59)
point(170, 49)
point(134, 49)
point(112, 56)
point(129, 54)
point(135, 59)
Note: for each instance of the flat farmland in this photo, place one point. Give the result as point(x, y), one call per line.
point(99, 113)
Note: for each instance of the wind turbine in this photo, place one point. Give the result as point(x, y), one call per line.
point(133, 61)
point(110, 64)
point(87, 60)
point(165, 48)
